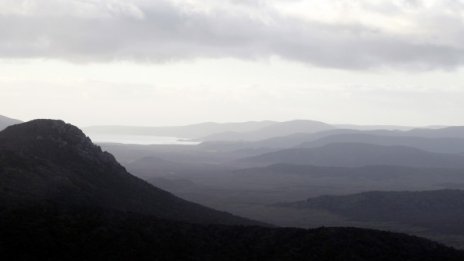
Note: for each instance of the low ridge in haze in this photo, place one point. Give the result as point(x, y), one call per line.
point(5, 122)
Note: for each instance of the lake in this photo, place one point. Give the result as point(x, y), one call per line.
point(138, 139)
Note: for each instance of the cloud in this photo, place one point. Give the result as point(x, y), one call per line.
point(355, 34)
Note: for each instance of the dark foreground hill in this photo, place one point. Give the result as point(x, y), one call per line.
point(47, 234)
point(50, 162)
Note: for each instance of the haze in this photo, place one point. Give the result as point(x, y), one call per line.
point(180, 62)
point(232, 130)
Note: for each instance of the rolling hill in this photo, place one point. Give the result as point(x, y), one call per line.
point(273, 130)
point(437, 210)
point(434, 139)
point(188, 131)
point(447, 132)
point(355, 155)
point(441, 145)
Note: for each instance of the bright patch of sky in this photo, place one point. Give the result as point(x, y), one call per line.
point(179, 62)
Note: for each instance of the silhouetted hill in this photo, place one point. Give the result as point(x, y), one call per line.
point(5, 122)
point(48, 234)
point(438, 210)
point(53, 163)
point(442, 145)
point(357, 154)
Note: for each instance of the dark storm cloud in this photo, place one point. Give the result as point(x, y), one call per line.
point(165, 31)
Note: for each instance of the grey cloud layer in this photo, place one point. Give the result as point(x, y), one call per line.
point(165, 31)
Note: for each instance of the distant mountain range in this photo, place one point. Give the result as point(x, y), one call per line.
point(193, 131)
point(356, 155)
point(448, 132)
point(268, 135)
point(441, 145)
point(274, 130)
point(211, 131)
point(443, 140)
point(378, 127)
point(293, 133)
point(5, 122)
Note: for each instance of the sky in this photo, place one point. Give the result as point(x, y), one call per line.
point(175, 62)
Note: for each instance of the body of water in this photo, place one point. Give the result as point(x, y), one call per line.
point(138, 139)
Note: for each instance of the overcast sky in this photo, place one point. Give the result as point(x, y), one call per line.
point(169, 62)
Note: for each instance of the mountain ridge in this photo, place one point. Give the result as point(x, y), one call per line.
point(357, 154)
point(54, 162)
point(437, 210)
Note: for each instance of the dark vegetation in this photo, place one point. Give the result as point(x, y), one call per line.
point(85, 234)
point(438, 210)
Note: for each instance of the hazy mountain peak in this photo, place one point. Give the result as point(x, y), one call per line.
point(5, 122)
